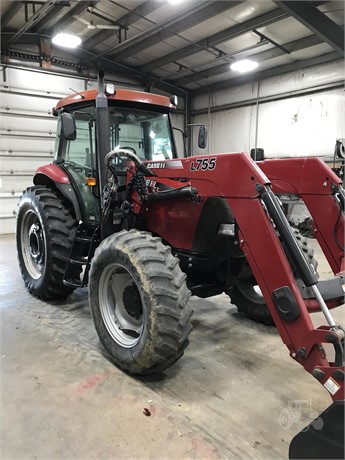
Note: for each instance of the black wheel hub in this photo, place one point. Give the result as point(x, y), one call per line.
point(36, 243)
point(132, 301)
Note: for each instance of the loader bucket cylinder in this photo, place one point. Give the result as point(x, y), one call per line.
point(323, 438)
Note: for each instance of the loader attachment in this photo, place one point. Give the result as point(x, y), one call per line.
point(323, 438)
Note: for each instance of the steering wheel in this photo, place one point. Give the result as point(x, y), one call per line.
point(131, 149)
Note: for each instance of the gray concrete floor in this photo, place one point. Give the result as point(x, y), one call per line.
point(62, 399)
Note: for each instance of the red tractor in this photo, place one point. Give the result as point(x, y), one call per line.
point(117, 210)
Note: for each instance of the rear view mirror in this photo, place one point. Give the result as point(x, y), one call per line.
point(69, 130)
point(202, 138)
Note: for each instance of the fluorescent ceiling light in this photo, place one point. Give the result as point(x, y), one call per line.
point(245, 65)
point(66, 40)
point(175, 2)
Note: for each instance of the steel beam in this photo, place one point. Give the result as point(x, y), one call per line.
point(173, 26)
point(43, 11)
point(128, 19)
point(216, 39)
point(44, 23)
point(12, 11)
point(68, 19)
point(272, 53)
point(26, 38)
point(273, 72)
point(317, 22)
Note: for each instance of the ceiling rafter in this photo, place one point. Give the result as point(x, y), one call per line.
point(80, 59)
point(10, 13)
point(272, 72)
point(50, 18)
point(68, 19)
point(218, 38)
point(316, 21)
point(128, 19)
point(174, 25)
point(43, 11)
point(296, 45)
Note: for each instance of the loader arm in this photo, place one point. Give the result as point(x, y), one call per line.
point(317, 185)
point(248, 191)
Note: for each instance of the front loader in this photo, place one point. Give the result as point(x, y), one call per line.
point(119, 211)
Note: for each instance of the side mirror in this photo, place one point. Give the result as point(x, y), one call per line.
point(202, 137)
point(69, 130)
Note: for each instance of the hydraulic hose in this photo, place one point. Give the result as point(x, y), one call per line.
point(182, 192)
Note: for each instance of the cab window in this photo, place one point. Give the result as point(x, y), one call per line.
point(147, 134)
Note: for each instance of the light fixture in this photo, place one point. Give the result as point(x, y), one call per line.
point(110, 89)
point(66, 40)
point(245, 65)
point(175, 2)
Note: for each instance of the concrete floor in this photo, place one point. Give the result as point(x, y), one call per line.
point(62, 399)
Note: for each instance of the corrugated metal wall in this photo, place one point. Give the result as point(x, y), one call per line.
point(296, 114)
point(27, 130)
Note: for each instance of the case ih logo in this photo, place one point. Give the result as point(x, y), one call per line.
point(165, 164)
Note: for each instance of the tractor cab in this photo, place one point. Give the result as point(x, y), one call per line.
point(134, 121)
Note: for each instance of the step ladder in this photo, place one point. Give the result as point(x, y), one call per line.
point(86, 240)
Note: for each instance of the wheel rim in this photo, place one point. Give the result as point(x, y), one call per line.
point(33, 244)
point(251, 292)
point(121, 305)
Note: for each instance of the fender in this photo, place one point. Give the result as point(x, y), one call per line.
point(52, 175)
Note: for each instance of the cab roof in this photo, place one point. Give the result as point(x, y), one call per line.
point(120, 95)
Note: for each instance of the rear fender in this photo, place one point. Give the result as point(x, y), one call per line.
point(53, 176)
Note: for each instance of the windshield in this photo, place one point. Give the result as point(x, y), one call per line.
point(147, 134)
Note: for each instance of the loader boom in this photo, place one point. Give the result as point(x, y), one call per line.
point(237, 178)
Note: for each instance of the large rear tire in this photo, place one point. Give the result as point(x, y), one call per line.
point(247, 296)
point(45, 232)
point(139, 302)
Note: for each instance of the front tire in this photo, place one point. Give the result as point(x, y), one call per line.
point(139, 302)
point(45, 232)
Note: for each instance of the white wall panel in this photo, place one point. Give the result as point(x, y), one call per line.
point(293, 124)
point(27, 131)
point(33, 104)
point(10, 183)
point(240, 93)
point(293, 81)
point(17, 164)
point(29, 125)
point(228, 131)
point(307, 125)
point(43, 83)
point(299, 126)
point(303, 79)
point(31, 146)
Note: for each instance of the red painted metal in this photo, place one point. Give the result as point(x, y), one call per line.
point(54, 172)
point(166, 218)
point(120, 95)
point(235, 177)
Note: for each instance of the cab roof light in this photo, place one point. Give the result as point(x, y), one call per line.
point(110, 89)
